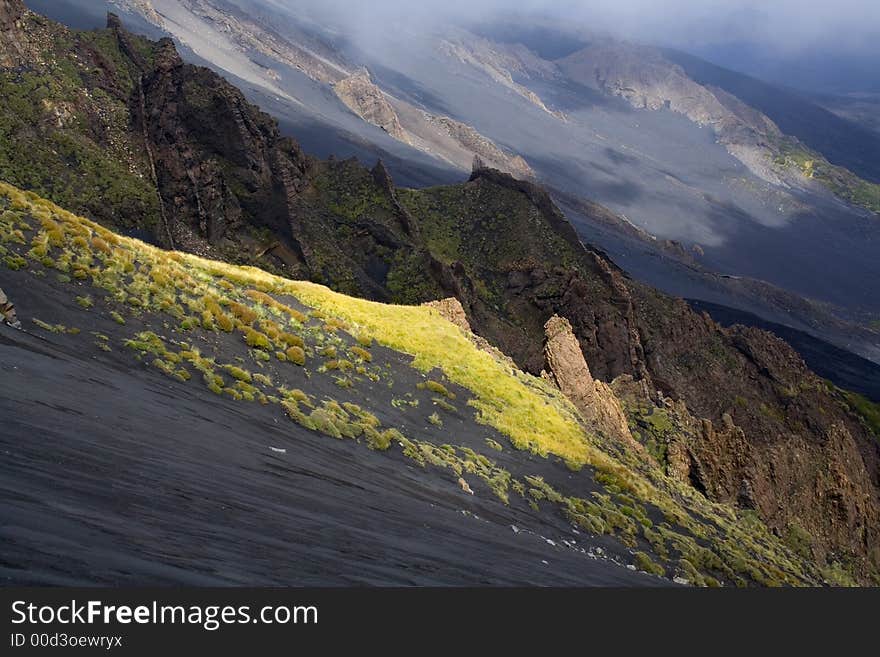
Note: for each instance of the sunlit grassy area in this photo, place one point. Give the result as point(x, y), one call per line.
point(304, 326)
point(839, 180)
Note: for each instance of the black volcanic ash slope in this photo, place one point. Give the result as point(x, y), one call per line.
point(722, 410)
point(174, 420)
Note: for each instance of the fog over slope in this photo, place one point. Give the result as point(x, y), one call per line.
point(772, 38)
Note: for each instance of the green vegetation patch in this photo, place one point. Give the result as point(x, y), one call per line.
point(866, 409)
point(709, 542)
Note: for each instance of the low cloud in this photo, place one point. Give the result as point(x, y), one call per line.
point(789, 26)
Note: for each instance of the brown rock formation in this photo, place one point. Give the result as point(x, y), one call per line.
point(567, 369)
point(452, 311)
point(366, 100)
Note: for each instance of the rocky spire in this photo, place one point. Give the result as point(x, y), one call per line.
point(566, 367)
point(382, 177)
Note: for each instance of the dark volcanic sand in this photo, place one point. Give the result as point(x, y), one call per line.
point(116, 475)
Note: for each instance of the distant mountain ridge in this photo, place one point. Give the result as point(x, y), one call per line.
point(841, 142)
point(673, 179)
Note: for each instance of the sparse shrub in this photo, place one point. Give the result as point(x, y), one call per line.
point(168, 369)
point(85, 302)
point(214, 382)
point(224, 322)
point(493, 444)
point(437, 388)
point(645, 563)
point(296, 395)
point(270, 328)
point(232, 392)
point(295, 315)
point(434, 419)
point(262, 379)
point(15, 262)
point(324, 423)
point(268, 301)
point(291, 340)
point(382, 440)
point(248, 392)
point(690, 572)
point(208, 320)
point(245, 315)
point(329, 352)
point(116, 317)
point(445, 405)
point(58, 328)
point(238, 373)
point(99, 244)
point(294, 413)
point(260, 356)
point(836, 575)
point(147, 342)
point(296, 355)
point(799, 540)
point(362, 354)
point(257, 340)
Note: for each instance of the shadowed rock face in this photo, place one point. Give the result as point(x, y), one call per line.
point(208, 141)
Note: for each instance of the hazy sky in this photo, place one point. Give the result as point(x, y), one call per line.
point(786, 25)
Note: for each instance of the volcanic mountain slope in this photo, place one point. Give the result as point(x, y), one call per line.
point(247, 44)
point(738, 417)
point(734, 173)
point(337, 412)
